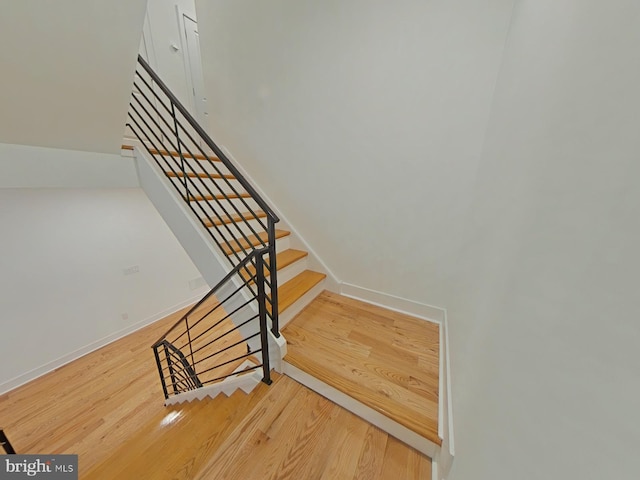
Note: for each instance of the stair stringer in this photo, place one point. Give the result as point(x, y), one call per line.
point(148, 167)
point(180, 220)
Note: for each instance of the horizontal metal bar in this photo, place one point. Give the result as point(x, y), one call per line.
point(225, 349)
point(219, 285)
point(224, 334)
point(232, 374)
point(227, 363)
point(200, 131)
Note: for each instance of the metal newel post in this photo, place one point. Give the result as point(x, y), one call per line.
point(262, 309)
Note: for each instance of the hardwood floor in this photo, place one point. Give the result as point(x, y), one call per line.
point(386, 360)
point(107, 407)
point(91, 405)
point(295, 433)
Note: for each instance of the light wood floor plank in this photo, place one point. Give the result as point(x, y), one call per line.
point(370, 462)
point(107, 407)
point(343, 463)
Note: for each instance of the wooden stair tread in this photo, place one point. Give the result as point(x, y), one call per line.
point(239, 244)
point(209, 198)
point(200, 175)
point(371, 354)
point(197, 156)
point(224, 219)
point(297, 287)
point(283, 259)
point(170, 153)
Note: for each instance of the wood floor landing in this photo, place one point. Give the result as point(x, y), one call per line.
point(107, 407)
point(386, 360)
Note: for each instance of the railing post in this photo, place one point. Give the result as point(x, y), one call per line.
point(182, 169)
point(164, 384)
point(273, 277)
point(172, 373)
point(262, 310)
point(6, 444)
point(193, 365)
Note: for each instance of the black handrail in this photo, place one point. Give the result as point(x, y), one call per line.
point(207, 139)
point(237, 244)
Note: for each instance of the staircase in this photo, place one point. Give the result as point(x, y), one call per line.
point(385, 367)
point(229, 231)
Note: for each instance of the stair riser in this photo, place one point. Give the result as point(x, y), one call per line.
point(422, 444)
point(205, 186)
point(281, 243)
point(232, 206)
point(287, 273)
point(246, 382)
point(220, 218)
point(286, 316)
point(235, 230)
point(249, 226)
point(205, 166)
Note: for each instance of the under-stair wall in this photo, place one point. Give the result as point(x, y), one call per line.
point(195, 240)
point(189, 232)
point(211, 262)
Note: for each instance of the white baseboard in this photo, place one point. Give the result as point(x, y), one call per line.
point(76, 354)
point(391, 302)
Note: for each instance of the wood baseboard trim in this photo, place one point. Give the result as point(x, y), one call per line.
point(70, 357)
point(384, 423)
point(423, 311)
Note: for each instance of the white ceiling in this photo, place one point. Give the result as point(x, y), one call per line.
point(67, 68)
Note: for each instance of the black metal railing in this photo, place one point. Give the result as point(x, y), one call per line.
point(6, 444)
point(224, 334)
point(236, 217)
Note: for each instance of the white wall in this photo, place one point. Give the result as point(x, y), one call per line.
point(366, 123)
point(67, 71)
point(362, 120)
point(37, 167)
point(165, 33)
point(62, 287)
point(546, 336)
